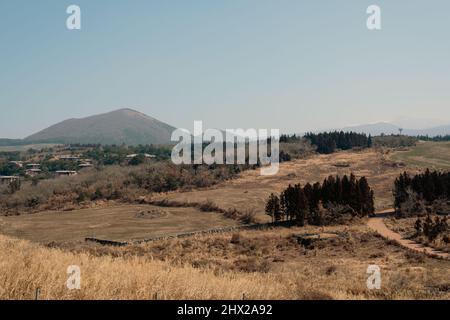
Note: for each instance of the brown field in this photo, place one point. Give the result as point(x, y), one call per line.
point(119, 223)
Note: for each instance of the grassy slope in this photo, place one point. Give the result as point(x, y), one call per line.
point(433, 155)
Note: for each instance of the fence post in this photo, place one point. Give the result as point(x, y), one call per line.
point(37, 293)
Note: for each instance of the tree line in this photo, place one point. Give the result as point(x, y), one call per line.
point(435, 138)
point(430, 186)
point(301, 204)
point(328, 142)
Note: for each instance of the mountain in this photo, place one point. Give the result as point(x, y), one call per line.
point(435, 131)
point(376, 129)
point(117, 127)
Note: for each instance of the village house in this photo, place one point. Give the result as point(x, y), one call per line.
point(62, 173)
point(85, 165)
point(146, 155)
point(33, 172)
point(8, 179)
point(69, 157)
point(33, 165)
point(18, 164)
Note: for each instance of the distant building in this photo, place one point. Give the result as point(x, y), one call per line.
point(8, 179)
point(69, 157)
point(146, 155)
point(33, 172)
point(85, 165)
point(33, 165)
point(17, 163)
point(149, 155)
point(66, 173)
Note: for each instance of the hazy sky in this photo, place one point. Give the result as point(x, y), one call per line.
point(288, 64)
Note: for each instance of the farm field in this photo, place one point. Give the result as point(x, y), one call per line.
point(119, 223)
point(432, 155)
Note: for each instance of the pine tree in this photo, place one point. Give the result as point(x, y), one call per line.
point(369, 142)
point(418, 226)
point(273, 208)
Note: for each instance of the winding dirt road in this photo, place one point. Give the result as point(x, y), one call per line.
point(377, 224)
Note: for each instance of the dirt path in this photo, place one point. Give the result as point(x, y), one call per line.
point(377, 224)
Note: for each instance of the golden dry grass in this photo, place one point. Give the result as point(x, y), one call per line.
point(218, 267)
point(25, 267)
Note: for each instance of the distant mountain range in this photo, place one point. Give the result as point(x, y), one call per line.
point(124, 126)
point(127, 126)
point(379, 128)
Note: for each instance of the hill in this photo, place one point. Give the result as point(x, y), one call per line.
point(117, 127)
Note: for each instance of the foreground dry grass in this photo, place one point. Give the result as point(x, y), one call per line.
point(25, 267)
point(266, 264)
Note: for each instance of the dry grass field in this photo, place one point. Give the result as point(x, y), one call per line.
point(248, 192)
point(251, 190)
point(117, 222)
point(259, 264)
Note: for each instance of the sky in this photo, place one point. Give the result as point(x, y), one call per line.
point(287, 64)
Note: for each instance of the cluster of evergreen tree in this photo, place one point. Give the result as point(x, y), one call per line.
point(432, 229)
point(285, 138)
point(435, 138)
point(116, 154)
point(300, 204)
point(429, 185)
point(328, 142)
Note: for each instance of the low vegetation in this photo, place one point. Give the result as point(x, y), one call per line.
point(394, 141)
point(436, 230)
point(126, 184)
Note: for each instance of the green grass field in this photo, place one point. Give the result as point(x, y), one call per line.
point(433, 155)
